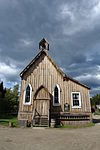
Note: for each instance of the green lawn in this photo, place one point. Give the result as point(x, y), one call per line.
point(4, 120)
point(97, 112)
point(75, 126)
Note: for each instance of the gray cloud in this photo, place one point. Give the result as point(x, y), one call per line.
point(71, 27)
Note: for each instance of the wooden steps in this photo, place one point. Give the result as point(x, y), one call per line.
point(41, 121)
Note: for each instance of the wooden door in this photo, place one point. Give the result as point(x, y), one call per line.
point(42, 102)
point(42, 107)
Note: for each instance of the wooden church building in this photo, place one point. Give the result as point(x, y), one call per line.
point(48, 96)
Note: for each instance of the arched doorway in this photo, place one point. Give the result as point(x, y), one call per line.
point(41, 107)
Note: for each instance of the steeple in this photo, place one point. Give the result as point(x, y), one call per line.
point(44, 45)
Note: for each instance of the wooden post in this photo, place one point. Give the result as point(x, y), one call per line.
point(10, 124)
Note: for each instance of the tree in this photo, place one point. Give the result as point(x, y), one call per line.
point(15, 94)
point(9, 99)
point(2, 95)
point(2, 90)
point(95, 100)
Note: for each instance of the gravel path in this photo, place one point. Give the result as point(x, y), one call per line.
point(50, 139)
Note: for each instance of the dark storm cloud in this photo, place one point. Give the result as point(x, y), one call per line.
point(71, 27)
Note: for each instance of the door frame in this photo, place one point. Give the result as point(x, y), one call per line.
point(46, 99)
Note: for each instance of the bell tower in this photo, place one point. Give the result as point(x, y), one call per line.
point(43, 45)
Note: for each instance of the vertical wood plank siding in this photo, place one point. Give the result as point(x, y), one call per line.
point(43, 72)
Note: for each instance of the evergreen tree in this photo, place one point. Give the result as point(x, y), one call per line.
point(9, 99)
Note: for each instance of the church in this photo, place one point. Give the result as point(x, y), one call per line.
point(49, 97)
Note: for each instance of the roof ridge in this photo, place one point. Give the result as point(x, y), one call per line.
point(31, 62)
point(57, 67)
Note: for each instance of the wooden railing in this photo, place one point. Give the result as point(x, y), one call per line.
point(39, 120)
point(74, 117)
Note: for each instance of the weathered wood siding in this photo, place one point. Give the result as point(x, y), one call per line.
point(42, 101)
point(71, 86)
point(43, 72)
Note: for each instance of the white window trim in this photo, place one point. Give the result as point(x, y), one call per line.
point(56, 104)
point(30, 102)
point(79, 100)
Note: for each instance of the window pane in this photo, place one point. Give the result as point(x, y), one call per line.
point(27, 96)
point(75, 102)
point(75, 97)
point(44, 46)
point(56, 99)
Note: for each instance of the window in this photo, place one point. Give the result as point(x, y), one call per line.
point(43, 46)
point(27, 95)
point(56, 96)
point(76, 99)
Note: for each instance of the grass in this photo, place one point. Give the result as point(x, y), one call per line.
point(97, 113)
point(75, 126)
point(5, 119)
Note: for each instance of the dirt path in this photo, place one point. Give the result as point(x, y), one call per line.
point(50, 139)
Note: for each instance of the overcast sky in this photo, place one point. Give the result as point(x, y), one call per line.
point(72, 28)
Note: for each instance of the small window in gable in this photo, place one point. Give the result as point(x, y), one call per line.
point(43, 46)
point(27, 95)
point(56, 96)
point(76, 99)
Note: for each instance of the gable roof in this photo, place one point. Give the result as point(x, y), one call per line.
point(44, 40)
point(66, 77)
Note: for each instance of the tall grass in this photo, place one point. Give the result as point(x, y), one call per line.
point(5, 119)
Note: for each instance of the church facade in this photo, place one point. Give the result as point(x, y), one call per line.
point(48, 96)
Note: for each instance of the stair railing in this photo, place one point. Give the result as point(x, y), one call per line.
point(33, 115)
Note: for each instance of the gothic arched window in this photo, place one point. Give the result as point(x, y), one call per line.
point(56, 95)
point(27, 95)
